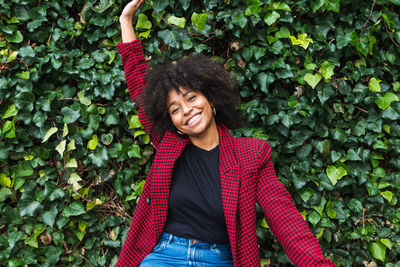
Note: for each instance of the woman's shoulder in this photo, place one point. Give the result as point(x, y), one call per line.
point(248, 146)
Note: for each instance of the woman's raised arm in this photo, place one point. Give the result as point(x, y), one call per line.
point(127, 31)
point(134, 63)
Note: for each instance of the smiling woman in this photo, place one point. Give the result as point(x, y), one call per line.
point(192, 114)
point(195, 73)
point(198, 205)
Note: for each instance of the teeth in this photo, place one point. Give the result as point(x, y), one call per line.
point(194, 119)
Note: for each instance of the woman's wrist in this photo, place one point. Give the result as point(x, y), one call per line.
point(126, 20)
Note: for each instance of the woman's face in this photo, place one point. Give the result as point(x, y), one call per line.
point(190, 112)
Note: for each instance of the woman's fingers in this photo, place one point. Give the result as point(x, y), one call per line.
point(131, 8)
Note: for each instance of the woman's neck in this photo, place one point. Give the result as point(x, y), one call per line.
point(207, 140)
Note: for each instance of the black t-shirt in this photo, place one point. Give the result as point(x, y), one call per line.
point(195, 202)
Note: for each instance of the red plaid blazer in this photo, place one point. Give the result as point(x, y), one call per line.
point(247, 176)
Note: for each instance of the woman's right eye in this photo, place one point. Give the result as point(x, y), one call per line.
point(175, 110)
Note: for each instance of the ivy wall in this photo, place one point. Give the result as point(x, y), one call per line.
point(319, 80)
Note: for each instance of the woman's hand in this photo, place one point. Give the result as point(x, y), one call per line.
point(127, 31)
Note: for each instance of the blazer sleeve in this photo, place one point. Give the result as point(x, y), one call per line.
point(134, 245)
point(135, 67)
point(284, 219)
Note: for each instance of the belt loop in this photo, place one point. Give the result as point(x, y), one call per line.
point(170, 239)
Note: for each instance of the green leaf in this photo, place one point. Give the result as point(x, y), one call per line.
point(282, 33)
point(4, 180)
point(71, 145)
point(352, 155)
point(70, 115)
point(4, 193)
point(355, 205)
point(317, 4)
point(74, 181)
point(362, 46)
point(386, 242)
point(240, 20)
point(107, 138)
point(388, 195)
point(252, 7)
point(61, 148)
point(378, 250)
point(280, 6)
point(144, 34)
point(180, 22)
point(199, 20)
point(334, 5)
point(143, 22)
point(306, 194)
point(386, 128)
point(29, 207)
point(374, 84)
point(134, 122)
point(92, 144)
point(335, 156)
point(385, 101)
point(344, 39)
point(301, 40)
point(100, 157)
point(74, 209)
point(271, 17)
point(85, 63)
point(396, 86)
point(84, 100)
point(80, 235)
point(327, 70)
point(8, 129)
point(65, 130)
point(264, 80)
point(335, 174)
point(49, 217)
point(391, 114)
point(312, 80)
point(171, 38)
point(16, 37)
point(185, 4)
point(82, 225)
point(160, 5)
point(57, 194)
point(134, 151)
point(379, 144)
point(137, 133)
point(103, 5)
point(24, 169)
point(330, 211)
point(359, 129)
point(71, 163)
point(10, 112)
point(314, 218)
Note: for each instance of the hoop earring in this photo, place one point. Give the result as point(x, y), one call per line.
point(214, 111)
point(179, 132)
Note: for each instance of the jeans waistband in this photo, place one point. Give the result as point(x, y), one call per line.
point(190, 241)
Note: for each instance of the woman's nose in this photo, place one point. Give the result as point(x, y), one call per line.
point(186, 108)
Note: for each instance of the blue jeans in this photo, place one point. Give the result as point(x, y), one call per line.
point(173, 250)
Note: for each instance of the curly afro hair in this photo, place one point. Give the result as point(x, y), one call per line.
point(195, 72)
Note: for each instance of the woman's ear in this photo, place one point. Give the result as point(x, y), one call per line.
point(214, 110)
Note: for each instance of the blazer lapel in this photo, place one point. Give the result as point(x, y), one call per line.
point(229, 172)
point(170, 148)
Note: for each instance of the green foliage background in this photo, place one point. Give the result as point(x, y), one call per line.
point(319, 80)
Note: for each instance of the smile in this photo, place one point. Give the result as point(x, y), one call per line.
point(193, 120)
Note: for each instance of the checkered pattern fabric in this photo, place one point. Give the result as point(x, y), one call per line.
point(247, 176)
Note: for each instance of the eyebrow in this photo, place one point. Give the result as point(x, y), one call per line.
point(183, 94)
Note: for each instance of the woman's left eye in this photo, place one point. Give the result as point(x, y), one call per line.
point(191, 98)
